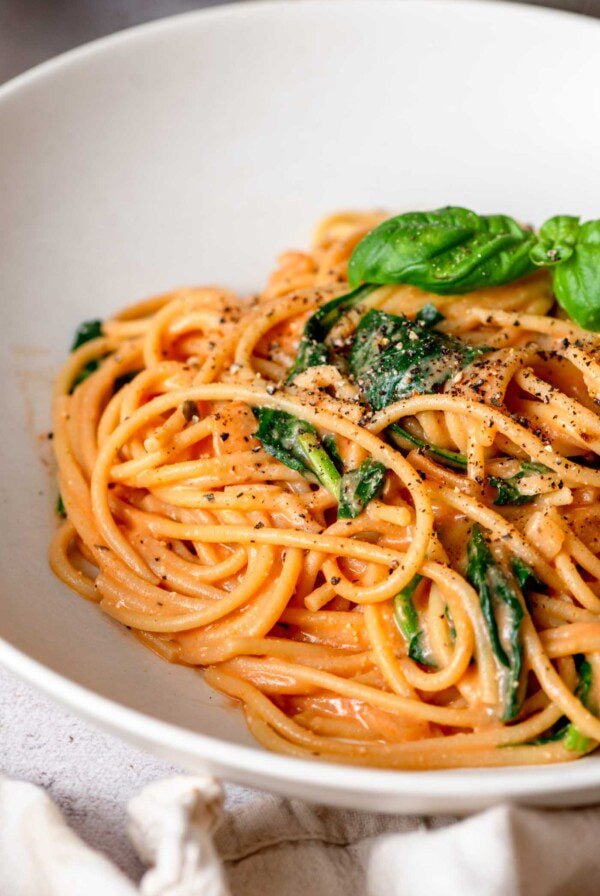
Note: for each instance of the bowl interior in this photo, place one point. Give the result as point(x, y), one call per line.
point(194, 151)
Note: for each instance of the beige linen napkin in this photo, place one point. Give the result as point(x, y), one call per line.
point(277, 847)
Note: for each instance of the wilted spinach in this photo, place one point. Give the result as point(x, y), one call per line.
point(86, 331)
point(360, 486)
point(508, 489)
point(297, 444)
point(393, 357)
point(451, 458)
point(312, 350)
point(407, 620)
point(526, 576)
point(565, 730)
point(503, 614)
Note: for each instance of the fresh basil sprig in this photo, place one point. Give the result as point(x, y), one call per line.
point(572, 252)
point(447, 251)
point(453, 250)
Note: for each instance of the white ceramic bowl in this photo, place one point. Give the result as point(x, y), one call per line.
point(194, 150)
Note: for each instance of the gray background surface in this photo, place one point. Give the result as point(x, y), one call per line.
point(90, 774)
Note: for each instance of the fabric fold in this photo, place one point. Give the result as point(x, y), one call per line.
point(277, 847)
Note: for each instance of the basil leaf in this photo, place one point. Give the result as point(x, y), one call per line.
point(407, 620)
point(556, 240)
point(360, 486)
point(312, 350)
point(448, 251)
point(503, 614)
point(508, 491)
point(576, 277)
point(393, 357)
point(556, 733)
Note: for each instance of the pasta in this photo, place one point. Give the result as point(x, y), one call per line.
point(403, 582)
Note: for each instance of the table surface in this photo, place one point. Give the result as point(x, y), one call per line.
point(90, 774)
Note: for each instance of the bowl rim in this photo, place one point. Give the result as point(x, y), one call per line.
point(447, 784)
point(234, 9)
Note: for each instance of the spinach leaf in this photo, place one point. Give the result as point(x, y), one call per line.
point(452, 458)
point(312, 350)
point(450, 622)
point(86, 331)
point(296, 444)
point(508, 489)
point(124, 380)
point(330, 443)
point(85, 371)
point(565, 730)
point(572, 250)
point(360, 486)
point(525, 576)
point(407, 620)
point(556, 733)
point(60, 508)
point(393, 357)
point(448, 251)
point(503, 614)
point(429, 315)
point(574, 739)
point(310, 354)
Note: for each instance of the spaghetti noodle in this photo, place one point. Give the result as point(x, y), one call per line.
point(409, 584)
